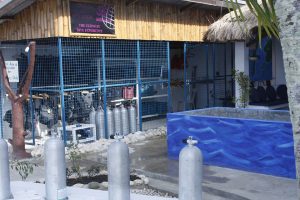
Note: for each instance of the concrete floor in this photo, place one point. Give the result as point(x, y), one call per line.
point(150, 158)
point(219, 183)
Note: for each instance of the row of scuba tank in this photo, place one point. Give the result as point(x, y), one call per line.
point(120, 120)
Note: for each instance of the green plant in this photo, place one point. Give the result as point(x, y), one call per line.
point(264, 12)
point(24, 168)
point(68, 173)
point(244, 87)
point(93, 170)
point(75, 156)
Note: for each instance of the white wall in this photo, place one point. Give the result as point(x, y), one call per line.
point(278, 66)
point(241, 65)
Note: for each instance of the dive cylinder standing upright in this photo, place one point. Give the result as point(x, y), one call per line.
point(118, 170)
point(117, 120)
point(92, 116)
point(110, 122)
point(125, 121)
point(100, 128)
point(190, 172)
point(5, 192)
point(132, 118)
point(55, 169)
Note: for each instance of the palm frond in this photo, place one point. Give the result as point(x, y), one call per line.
point(264, 12)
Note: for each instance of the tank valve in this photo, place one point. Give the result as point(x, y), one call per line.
point(191, 142)
point(118, 136)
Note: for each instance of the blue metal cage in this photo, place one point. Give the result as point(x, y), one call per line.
point(74, 75)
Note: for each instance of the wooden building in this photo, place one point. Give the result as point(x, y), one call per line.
point(90, 52)
point(170, 20)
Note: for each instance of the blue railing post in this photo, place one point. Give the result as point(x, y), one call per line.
point(104, 87)
point(225, 69)
point(232, 68)
point(1, 111)
point(207, 75)
point(61, 76)
point(32, 118)
point(214, 73)
point(31, 106)
point(169, 79)
point(139, 85)
point(185, 76)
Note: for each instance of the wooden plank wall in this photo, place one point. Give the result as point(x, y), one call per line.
point(142, 20)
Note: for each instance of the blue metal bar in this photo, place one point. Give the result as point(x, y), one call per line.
point(31, 106)
point(63, 116)
point(140, 85)
point(82, 88)
point(104, 87)
point(169, 79)
point(1, 121)
point(185, 76)
point(232, 68)
point(207, 75)
point(121, 84)
point(225, 73)
point(43, 90)
point(32, 119)
point(214, 73)
point(153, 82)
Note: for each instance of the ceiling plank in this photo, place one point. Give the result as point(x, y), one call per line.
point(188, 6)
point(130, 2)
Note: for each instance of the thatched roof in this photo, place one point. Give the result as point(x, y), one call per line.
point(228, 28)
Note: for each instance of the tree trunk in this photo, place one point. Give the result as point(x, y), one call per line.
point(18, 141)
point(288, 13)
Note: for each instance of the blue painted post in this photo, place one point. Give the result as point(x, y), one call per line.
point(225, 73)
point(1, 113)
point(140, 85)
point(232, 68)
point(207, 75)
point(214, 73)
point(104, 87)
point(61, 76)
point(185, 76)
point(169, 79)
point(32, 118)
point(31, 106)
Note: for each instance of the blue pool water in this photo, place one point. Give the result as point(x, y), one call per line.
point(264, 145)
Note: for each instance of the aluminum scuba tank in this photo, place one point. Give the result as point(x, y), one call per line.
point(100, 121)
point(5, 192)
point(132, 118)
point(125, 121)
point(118, 170)
point(92, 116)
point(55, 169)
point(117, 120)
point(110, 122)
point(190, 172)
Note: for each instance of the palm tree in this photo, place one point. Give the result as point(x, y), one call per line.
point(280, 18)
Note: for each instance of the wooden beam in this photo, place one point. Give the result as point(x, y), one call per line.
point(7, 18)
point(208, 2)
point(188, 6)
point(130, 2)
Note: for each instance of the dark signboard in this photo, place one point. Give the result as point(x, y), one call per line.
point(92, 18)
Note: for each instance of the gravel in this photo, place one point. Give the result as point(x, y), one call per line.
point(102, 144)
